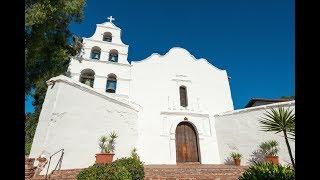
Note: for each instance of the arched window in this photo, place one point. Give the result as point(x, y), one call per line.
point(183, 96)
point(111, 83)
point(87, 77)
point(95, 53)
point(113, 55)
point(107, 36)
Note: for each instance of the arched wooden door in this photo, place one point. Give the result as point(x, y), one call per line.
point(186, 143)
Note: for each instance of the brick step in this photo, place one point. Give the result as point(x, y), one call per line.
point(199, 171)
point(162, 172)
point(29, 160)
point(67, 174)
point(29, 168)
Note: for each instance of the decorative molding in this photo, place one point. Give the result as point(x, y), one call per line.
point(105, 25)
point(104, 77)
point(181, 80)
point(100, 61)
point(184, 113)
point(107, 52)
point(104, 42)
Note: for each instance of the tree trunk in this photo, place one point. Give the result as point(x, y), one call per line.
point(289, 149)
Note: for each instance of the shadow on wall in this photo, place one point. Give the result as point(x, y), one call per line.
point(229, 161)
point(257, 156)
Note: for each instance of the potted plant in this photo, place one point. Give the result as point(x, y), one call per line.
point(270, 149)
point(107, 147)
point(236, 158)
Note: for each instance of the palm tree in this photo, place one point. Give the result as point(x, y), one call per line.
point(281, 120)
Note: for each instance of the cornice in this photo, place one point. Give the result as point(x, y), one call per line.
point(104, 42)
point(104, 77)
point(103, 25)
point(100, 61)
point(185, 113)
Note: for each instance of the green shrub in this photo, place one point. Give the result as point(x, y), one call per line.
point(92, 172)
point(31, 121)
point(27, 148)
point(134, 153)
point(133, 165)
point(105, 172)
point(268, 171)
point(118, 172)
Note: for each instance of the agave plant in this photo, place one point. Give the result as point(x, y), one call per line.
point(102, 143)
point(281, 120)
point(235, 155)
point(269, 148)
point(107, 144)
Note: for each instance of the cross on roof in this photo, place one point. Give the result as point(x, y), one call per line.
point(111, 19)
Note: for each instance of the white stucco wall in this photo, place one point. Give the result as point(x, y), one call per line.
point(155, 86)
point(240, 131)
point(74, 116)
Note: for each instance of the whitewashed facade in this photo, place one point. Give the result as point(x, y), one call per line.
point(140, 101)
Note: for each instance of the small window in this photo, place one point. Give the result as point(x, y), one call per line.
point(107, 37)
point(95, 53)
point(113, 55)
point(183, 96)
point(111, 83)
point(87, 77)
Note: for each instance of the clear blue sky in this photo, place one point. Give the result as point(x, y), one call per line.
point(253, 40)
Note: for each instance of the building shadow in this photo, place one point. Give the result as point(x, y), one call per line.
point(257, 156)
point(229, 161)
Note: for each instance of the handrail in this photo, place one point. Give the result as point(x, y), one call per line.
point(59, 162)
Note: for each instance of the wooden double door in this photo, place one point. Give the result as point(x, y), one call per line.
point(187, 149)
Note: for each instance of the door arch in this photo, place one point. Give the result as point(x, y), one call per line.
point(187, 144)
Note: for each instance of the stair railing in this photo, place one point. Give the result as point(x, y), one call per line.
point(58, 163)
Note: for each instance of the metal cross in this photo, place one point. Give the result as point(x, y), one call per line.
point(111, 19)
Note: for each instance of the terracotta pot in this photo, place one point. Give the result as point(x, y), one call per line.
point(237, 162)
point(104, 158)
point(272, 159)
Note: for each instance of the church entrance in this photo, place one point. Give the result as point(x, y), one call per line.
point(187, 149)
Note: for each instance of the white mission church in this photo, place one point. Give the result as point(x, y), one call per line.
point(173, 108)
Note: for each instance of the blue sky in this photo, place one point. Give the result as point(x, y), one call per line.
point(253, 40)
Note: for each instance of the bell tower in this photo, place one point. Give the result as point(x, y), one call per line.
point(102, 62)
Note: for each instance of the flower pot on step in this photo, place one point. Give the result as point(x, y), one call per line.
point(272, 159)
point(104, 158)
point(237, 162)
